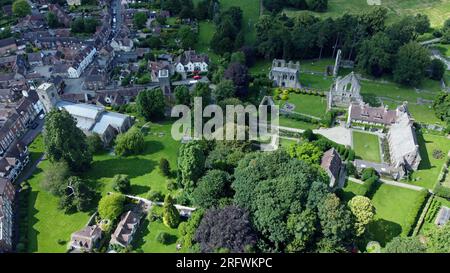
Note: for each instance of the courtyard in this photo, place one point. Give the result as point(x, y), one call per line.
point(366, 146)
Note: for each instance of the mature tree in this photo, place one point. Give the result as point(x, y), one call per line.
point(215, 184)
point(273, 186)
point(150, 104)
point(437, 68)
point(182, 95)
point(441, 106)
point(226, 154)
point(21, 8)
point(238, 57)
point(422, 23)
point(55, 178)
point(404, 245)
point(188, 229)
point(95, 143)
point(228, 35)
point(90, 25)
point(335, 220)
point(139, 20)
point(65, 141)
point(401, 32)
point(438, 239)
point(374, 57)
point(121, 183)
point(202, 90)
point(171, 216)
point(78, 195)
point(188, 38)
point(302, 227)
point(228, 228)
point(52, 20)
point(130, 142)
point(111, 206)
point(225, 89)
point(307, 152)
point(364, 212)
point(317, 5)
point(164, 166)
point(412, 62)
point(238, 73)
point(191, 163)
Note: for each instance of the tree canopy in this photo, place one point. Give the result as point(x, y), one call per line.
point(228, 228)
point(111, 206)
point(150, 104)
point(65, 141)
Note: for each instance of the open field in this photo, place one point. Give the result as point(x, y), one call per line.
point(437, 10)
point(352, 189)
point(430, 167)
point(366, 146)
point(48, 224)
point(396, 211)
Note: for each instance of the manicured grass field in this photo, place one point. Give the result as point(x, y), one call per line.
point(286, 143)
point(352, 189)
point(48, 224)
point(396, 209)
point(322, 83)
point(437, 11)
point(430, 167)
point(307, 104)
point(366, 146)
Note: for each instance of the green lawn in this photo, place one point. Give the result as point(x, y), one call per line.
point(423, 113)
point(396, 208)
point(436, 10)
point(307, 104)
point(288, 122)
point(366, 146)
point(286, 143)
point(315, 81)
point(430, 167)
point(145, 240)
point(47, 224)
point(352, 189)
point(316, 65)
point(206, 31)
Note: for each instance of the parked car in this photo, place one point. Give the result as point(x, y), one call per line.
point(197, 77)
point(41, 116)
point(34, 125)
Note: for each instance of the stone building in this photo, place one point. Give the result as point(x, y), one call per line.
point(403, 145)
point(404, 155)
point(7, 194)
point(285, 74)
point(332, 164)
point(345, 91)
point(85, 239)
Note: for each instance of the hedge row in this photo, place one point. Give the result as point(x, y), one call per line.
point(414, 214)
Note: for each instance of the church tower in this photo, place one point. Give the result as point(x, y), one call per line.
point(48, 95)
